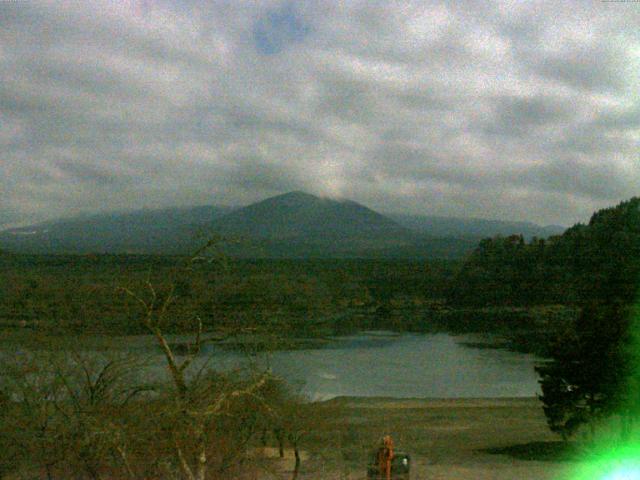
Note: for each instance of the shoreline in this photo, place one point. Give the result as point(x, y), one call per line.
point(431, 402)
point(501, 438)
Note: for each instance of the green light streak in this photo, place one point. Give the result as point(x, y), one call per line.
point(617, 464)
point(624, 473)
point(611, 458)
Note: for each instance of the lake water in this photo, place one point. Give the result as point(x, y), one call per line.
point(368, 364)
point(378, 364)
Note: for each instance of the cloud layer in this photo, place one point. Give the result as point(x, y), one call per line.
point(519, 111)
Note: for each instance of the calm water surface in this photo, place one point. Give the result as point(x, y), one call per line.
point(376, 364)
point(369, 364)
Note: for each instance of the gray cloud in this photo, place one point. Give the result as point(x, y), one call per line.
point(519, 114)
point(624, 119)
point(521, 111)
point(594, 69)
point(600, 181)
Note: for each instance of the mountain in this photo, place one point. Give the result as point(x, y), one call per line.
point(299, 215)
point(168, 230)
point(473, 227)
point(292, 225)
point(300, 225)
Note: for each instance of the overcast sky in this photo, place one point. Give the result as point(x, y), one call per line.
point(515, 111)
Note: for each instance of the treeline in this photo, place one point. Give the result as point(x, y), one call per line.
point(593, 370)
point(80, 293)
point(593, 262)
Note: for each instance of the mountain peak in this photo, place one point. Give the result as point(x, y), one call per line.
point(295, 195)
point(301, 215)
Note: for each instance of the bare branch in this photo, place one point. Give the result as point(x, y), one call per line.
point(183, 462)
point(193, 349)
point(166, 304)
point(176, 374)
point(135, 297)
point(217, 406)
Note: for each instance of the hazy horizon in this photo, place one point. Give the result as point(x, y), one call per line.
point(89, 214)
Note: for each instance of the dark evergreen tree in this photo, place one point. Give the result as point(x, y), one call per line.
point(598, 262)
point(594, 370)
point(587, 376)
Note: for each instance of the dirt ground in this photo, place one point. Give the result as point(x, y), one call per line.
point(501, 439)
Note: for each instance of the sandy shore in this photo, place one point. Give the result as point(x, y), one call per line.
point(504, 438)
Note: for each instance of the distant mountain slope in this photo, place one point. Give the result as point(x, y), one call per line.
point(168, 230)
point(292, 225)
point(298, 215)
point(473, 227)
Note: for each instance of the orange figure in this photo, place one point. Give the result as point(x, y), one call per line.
point(385, 456)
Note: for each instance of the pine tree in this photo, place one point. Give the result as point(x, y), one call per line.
point(590, 369)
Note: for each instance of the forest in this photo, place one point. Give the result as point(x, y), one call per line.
point(599, 261)
point(592, 372)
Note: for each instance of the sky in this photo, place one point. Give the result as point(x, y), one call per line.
point(502, 110)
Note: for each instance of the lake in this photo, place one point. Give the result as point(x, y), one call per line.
point(386, 364)
point(367, 364)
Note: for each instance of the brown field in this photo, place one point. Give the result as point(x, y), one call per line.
point(448, 439)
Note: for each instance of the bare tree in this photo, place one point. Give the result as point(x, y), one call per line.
point(66, 410)
point(197, 400)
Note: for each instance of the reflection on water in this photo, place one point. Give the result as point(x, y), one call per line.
point(373, 364)
point(369, 364)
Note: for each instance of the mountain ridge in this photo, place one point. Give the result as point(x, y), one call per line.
point(302, 215)
point(467, 226)
point(294, 224)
